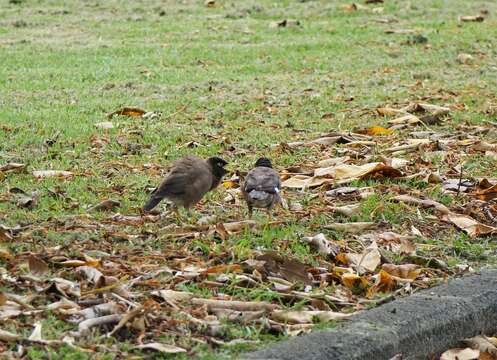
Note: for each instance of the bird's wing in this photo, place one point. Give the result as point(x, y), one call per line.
point(182, 175)
point(172, 185)
point(262, 179)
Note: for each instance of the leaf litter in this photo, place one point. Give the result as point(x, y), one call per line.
point(91, 288)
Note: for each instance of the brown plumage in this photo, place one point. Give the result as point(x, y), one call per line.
point(261, 188)
point(188, 181)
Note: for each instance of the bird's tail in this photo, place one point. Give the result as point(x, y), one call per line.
point(152, 202)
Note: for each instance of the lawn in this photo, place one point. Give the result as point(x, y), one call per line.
point(240, 80)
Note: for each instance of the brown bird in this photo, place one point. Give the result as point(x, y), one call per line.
point(262, 185)
point(188, 181)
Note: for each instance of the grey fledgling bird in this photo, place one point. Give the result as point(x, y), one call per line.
point(188, 181)
point(262, 185)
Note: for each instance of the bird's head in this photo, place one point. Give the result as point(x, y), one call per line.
point(264, 162)
point(217, 165)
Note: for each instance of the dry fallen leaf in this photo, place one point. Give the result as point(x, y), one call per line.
point(106, 205)
point(286, 23)
point(36, 333)
point(465, 58)
point(482, 344)
point(5, 254)
point(8, 336)
point(104, 125)
point(288, 269)
point(128, 111)
point(210, 3)
point(340, 174)
point(354, 228)
point(12, 167)
point(487, 194)
point(163, 348)
point(471, 18)
point(5, 234)
point(52, 173)
point(378, 131)
point(404, 271)
point(460, 354)
point(388, 111)
point(469, 225)
point(368, 260)
point(353, 281)
point(425, 203)
point(307, 316)
point(405, 119)
point(37, 266)
point(323, 245)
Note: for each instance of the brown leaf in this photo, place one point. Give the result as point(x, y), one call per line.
point(8, 336)
point(341, 174)
point(460, 354)
point(85, 326)
point(237, 226)
point(425, 203)
point(404, 271)
point(173, 297)
point(12, 167)
point(465, 58)
point(106, 205)
point(36, 333)
point(408, 119)
point(353, 281)
point(348, 172)
point(5, 254)
point(307, 316)
point(28, 202)
point(303, 182)
point(469, 225)
point(234, 305)
point(5, 234)
point(354, 227)
point(482, 344)
point(487, 194)
point(37, 266)
point(52, 173)
point(129, 316)
point(223, 268)
point(323, 245)
point(104, 125)
point(346, 210)
point(288, 269)
point(285, 23)
point(230, 184)
point(368, 260)
point(473, 18)
point(128, 111)
point(384, 283)
point(210, 3)
point(376, 131)
point(163, 348)
point(387, 111)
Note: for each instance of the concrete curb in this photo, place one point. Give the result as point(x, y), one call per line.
point(417, 326)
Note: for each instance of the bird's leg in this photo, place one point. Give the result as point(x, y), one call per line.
point(269, 215)
point(250, 211)
point(190, 215)
point(177, 214)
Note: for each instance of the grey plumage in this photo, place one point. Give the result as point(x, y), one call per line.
point(188, 181)
point(262, 185)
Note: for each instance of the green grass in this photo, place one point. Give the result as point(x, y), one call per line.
point(221, 77)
